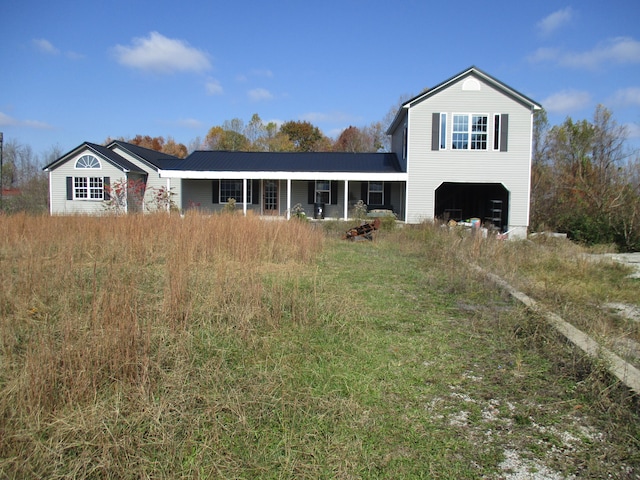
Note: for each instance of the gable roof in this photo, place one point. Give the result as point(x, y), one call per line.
point(225, 161)
point(147, 155)
point(503, 87)
point(151, 157)
point(102, 152)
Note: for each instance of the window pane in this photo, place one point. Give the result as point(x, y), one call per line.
point(479, 132)
point(233, 189)
point(323, 191)
point(96, 190)
point(460, 132)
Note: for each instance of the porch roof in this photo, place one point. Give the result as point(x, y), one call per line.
point(294, 165)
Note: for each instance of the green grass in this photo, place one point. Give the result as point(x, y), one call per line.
point(384, 359)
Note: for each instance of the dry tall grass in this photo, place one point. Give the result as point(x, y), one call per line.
point(97, 309)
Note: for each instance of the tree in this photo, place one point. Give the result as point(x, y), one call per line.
point(22, 173)
point(580, 183)
point(219, 138)
point(352, 139)
point(304, 136)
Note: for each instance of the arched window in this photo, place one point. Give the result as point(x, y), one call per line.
point(88, 161)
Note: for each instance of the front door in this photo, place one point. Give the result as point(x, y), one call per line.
point(270, 200)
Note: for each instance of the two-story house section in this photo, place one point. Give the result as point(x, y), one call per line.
point(465, 145)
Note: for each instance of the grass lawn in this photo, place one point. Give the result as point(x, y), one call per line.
point(320, 358)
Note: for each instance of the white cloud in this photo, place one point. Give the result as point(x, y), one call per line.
point(553, 22)
point(566, 101)
point(619, 50)
point(633, 130)
point(189, 123)
point(626, 97)
point(159, 54)
point(258, 94)
point(213, 87)
point(45, 46)
point(9, 121)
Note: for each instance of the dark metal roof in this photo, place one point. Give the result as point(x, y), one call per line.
point(146, 154)
point(225, 161)
point(119, 162)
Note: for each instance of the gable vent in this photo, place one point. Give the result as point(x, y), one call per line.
point(471, 85)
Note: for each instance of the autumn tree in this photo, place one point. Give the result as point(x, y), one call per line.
point(580, 182)
point(304, 136)
point(366, 139)
point(219, 138)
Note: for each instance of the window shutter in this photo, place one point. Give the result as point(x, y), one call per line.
point(504, 131)
point(215, 187)
point(255, 192)
point(364, 191)
point(312, 192)
point(69, 188)
point(106, 183)
point(334, 193)
point(435, 131)
point(387, 193)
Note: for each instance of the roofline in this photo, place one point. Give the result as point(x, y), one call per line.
point(431, 91)
point(90, 146)
point(503, 86)
point(282, 175)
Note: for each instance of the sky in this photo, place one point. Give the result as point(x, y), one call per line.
point(82, 70)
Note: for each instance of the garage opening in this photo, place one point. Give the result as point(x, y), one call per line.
point(462, 201)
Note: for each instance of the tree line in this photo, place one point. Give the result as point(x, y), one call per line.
point(585, 181)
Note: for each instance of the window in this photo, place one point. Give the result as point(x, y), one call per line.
point(479, 132)
point(88, 188)
point(443, 131)
point(376, 193)
point(88, 161)
point(460, 140)
point(469, 132)
point(323, 191)
point(233, 189)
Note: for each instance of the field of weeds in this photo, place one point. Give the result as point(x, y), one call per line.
point(229, 347)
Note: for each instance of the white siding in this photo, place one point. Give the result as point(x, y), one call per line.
point(58, 186)
point(154, 182)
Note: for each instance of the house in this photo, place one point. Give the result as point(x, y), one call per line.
point(460, 150)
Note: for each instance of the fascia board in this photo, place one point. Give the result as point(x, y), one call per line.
point(350, 176)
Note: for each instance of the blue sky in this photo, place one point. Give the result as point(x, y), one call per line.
point(75, 71)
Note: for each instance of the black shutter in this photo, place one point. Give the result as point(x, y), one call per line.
point(364, 187)
point(255, 192)
point(312, 192)
point(387, 193)
point(215, 187)
point(504, 131)
point(334, 193)
point(106, 183)
point(69, 188)
point(435, 131)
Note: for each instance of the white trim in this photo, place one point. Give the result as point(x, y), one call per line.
point(229, 175)
point(470, 131)
point(493, 132)
point(288, 198)
point(346, 199)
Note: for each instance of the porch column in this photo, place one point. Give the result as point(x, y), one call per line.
point(288, 198)
point(346, 199)
point(168, 194)
point(244, 196)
